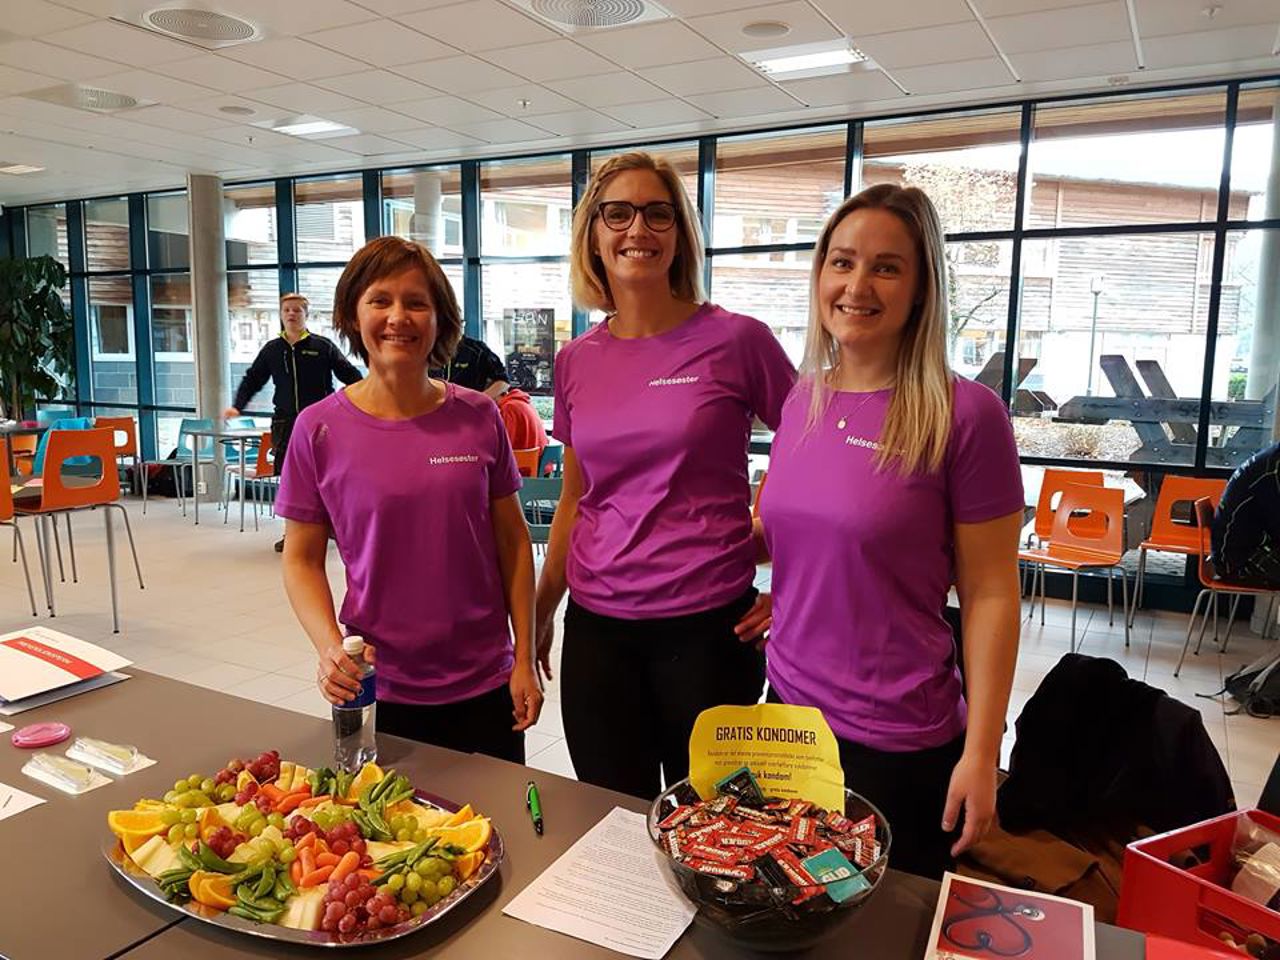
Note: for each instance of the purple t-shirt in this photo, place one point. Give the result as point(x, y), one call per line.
point(660, 426)
point(409, 505)
point(863, 560)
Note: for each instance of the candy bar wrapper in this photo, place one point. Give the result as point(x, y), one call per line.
point(702, 851)
point(722, 805)
point(686, 796)
point(841, 878)
point(676, 817)
point(798, 808)
point(730, 871)
point(707, 830)
point(840, 823)
point(865, 827)
point(803, 831)
point(735, 839)
point(742, 784)
point(765, 845)
point(672, 843)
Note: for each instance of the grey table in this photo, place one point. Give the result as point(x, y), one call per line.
point(894, 925)
point(217, 434)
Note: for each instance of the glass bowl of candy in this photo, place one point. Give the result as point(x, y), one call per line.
point(770, 874)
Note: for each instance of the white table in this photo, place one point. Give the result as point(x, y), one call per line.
point(241, 435)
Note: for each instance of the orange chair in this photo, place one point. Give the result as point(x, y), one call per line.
point(1169, 533)
point(263, 470)
point(527, 461)
point(1089, 542)
point(66, 495)
point(1212, 585)
point(1051, 486)
point(9, 519)
point(755, 502)
point(24, 453)
point(126, 440)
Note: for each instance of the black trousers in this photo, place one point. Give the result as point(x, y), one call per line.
point(910, 788)
point(633, 688)
point(479, 725)
point(281, 431)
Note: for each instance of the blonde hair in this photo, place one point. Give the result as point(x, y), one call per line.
point(586, 270)
point(286, 297)
point(918, 423)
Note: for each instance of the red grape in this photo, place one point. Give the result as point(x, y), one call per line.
point(347, 924)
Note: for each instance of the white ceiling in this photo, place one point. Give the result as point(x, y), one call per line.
point(426, 80)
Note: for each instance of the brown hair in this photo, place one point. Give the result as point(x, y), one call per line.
point(385, 257)
point(306, 304)
point(918, 423)
point(586, 271)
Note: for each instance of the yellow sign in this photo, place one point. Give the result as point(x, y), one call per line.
point(791, 751)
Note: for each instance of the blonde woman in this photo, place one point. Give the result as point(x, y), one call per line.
point(891, 479)
point(652, 534)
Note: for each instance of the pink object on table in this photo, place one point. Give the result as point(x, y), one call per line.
point(41, 735)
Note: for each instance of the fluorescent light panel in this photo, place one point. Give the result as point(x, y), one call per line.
point(19, 168)
point(809, 59)
point(307, 127)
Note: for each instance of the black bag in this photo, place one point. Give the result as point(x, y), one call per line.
point(1256, 687)
point(161, 481)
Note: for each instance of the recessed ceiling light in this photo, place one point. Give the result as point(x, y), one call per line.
point(19, 168)
point(236, 110)
point(805, 59)
point(306, 126)
point(766, 29)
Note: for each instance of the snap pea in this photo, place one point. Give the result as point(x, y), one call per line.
point(257, 916)
point(211, 861)
point(188, 858)
point(267, 882)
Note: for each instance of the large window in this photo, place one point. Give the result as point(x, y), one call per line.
point(250, 224)
point(168, 235)
point(112, 350)
point(106, 234)
point(1254, 150)
point(764, 286)
point(425, 204)
point(527, 318)
point(47, 233)
point(682, 156)
point(328, 219)
point(253, 318)
point(526, 207)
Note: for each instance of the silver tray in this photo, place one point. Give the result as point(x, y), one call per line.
point(140, 880)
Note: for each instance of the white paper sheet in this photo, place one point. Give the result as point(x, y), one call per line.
point(13, 801)
point(611, 889)
point(5, 727)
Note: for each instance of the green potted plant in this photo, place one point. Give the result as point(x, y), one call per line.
point(36, 345)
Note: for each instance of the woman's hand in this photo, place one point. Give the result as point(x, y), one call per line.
point(973, 788)
point(545, 635)
point(337, 675)
point(755, 623)
point(526, 697)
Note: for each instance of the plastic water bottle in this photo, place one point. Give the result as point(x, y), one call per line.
point(353, 722)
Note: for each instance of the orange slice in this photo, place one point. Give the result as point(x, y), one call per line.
point(470, 836)
point(369, 774)
point(215, 891)
point(466, 865)
point(135, 827)
point(208, 821)
point(462, 816)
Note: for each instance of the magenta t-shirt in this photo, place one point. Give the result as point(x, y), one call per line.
point(660, 427)
point(863, 560)
point(409, 505)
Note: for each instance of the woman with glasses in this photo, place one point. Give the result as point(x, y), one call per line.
point(652, 534)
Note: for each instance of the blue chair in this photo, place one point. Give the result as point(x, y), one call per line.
point(552, 462)
point(186, 457)
point(67, 423)
point(538, 497)
point(47, 416)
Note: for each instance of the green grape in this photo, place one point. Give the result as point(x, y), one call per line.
point(276, 820)
point(425, 870)
point(429, 892)
point(256, 828)
point(226, 792)
point(322, 819)
point(418, 909)
point(244, 818)
point(207, 785)
point(176, 833)
point(181, 786)
point(446, 885)
point(170, 816)
point(194, 781)
point(409, 896)
point(288, 854)
point(191, 831)
point(412, 882)
point(403, 834)
point(396, 824)
point(187, 816)
point(171, 796)
point(418, 836)
point(395, 882)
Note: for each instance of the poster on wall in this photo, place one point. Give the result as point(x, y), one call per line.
point(529, 335)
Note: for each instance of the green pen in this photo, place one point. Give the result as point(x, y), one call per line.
point(535, 806)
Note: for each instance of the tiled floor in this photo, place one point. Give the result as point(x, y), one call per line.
point(214, 613)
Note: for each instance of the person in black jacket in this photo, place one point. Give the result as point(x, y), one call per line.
point(1246, 528)
point(475, 367)
point(301, 366)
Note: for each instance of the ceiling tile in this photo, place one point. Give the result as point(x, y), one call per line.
point(447, 111)
point(745, 103)
point(287, 18)
point(555, 60)
point(608, 89)
point(219, 73)
point(152, 86)
point(459, 75)
point(502, 131)
point(1051, 29)
point(366, 145)
point(377, 86)
point(1208, 46)
point(374, 120)
point(1095, 60)
point(650, 45)
point(657, 113)
point(479, 25)
point(705, 76)
point(948, 77)
point(393, 8)
point(859, 18)
point(806, 26)
point(39, 17)
point(55, 61)
point(433, 138)
point(925, 45)
point(125, 43)
point(303, 98)
point(578, 122)
point(241, 133)
point(698, 8)
point(1161, 19)
point(172, 118)
point(1004, 8)
point(864, 86)
point(212, 106)
point(506, 100)
point(294, 58)
point(20, 81)
point(383, 43)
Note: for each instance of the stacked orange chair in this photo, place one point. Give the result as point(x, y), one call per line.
point(125, 437)
point(1051, 487)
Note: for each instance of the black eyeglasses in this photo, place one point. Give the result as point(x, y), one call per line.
point(659, 215)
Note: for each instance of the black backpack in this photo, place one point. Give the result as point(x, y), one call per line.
point(1256, 687)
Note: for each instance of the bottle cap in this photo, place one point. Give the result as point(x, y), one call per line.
point(352, 646)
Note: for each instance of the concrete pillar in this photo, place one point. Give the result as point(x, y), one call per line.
point(212, 341)
point(428, 210)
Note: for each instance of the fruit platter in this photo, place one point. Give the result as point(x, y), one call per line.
point(272, 848)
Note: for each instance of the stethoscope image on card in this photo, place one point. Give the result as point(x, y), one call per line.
point(988, 924)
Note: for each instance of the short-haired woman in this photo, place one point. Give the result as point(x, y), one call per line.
point(890, 479)
point(417, 482)
point(652, 534)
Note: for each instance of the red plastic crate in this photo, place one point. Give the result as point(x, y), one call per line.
point(1194, 905)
